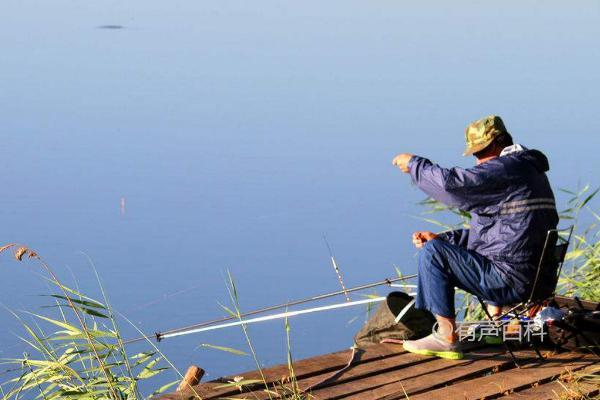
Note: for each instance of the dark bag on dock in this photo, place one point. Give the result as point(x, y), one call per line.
point(382, 325)
point(579, 329)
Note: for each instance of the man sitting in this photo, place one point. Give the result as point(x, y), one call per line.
point(512, 208)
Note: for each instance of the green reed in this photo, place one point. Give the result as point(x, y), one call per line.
point(83, 355)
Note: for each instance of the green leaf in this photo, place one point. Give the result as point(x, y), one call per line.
point(590, 197)
point(148, 370)
point(92, 312)
point(149, 373)
point(435, 222)
point(228, 310)
point(141, 358)
point(87, 303)
point(72, 291)
point(64, 325)
point(223, 348)
point(163, 388)
point(86, 310)
point(567, 191)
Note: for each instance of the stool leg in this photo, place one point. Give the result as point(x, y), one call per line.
point(506, 346)
point(537, 351)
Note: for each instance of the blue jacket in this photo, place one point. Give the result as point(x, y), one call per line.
point(511, 203)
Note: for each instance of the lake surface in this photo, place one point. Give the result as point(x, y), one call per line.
point(238, 133)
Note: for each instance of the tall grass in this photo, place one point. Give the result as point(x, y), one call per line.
point(287, 387)
point(83, 355)
point(581, 272)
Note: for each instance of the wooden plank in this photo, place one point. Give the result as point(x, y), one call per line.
point(570, 302)
point(303, 369)
point(555, 390)
point(425, 376)
point(365, 373)
point(356, 372)
point(506, 381)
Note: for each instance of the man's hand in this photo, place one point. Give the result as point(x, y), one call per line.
point(401, 161)
point(419, 238)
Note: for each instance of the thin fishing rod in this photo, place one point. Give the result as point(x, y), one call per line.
point(158, 335)
point(288, 314)
point(336, 268)
point(272, 317)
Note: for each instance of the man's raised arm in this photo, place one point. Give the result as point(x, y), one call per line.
point(466, 189)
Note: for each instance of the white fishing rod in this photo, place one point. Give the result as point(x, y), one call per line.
point(239, 319)
point(287, 314)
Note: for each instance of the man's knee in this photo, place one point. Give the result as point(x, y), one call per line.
point(431, 254)
point(435, 245)
point(433, 248)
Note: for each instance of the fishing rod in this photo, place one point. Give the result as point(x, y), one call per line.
point(272, 317)
point(336, 268)
point(160, 335)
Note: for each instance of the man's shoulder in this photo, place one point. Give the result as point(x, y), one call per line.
point(494, 166)
point(525, 162)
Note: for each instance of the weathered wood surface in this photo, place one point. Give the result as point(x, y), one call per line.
point(569, 302)
point(303, 369)
point(512, 379)
point(557, 389)
point(387, 372)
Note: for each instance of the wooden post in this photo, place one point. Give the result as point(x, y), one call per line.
point(192, 377)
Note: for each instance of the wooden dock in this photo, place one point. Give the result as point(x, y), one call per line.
point(386, 371)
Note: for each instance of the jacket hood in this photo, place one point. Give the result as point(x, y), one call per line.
point(534, 157)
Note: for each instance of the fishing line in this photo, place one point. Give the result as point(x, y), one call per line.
point(158, 336)
point(164, 297)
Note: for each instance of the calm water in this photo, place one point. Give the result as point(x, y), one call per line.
point(240, 132)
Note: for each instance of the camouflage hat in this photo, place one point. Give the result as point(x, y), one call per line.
point(481, 133)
